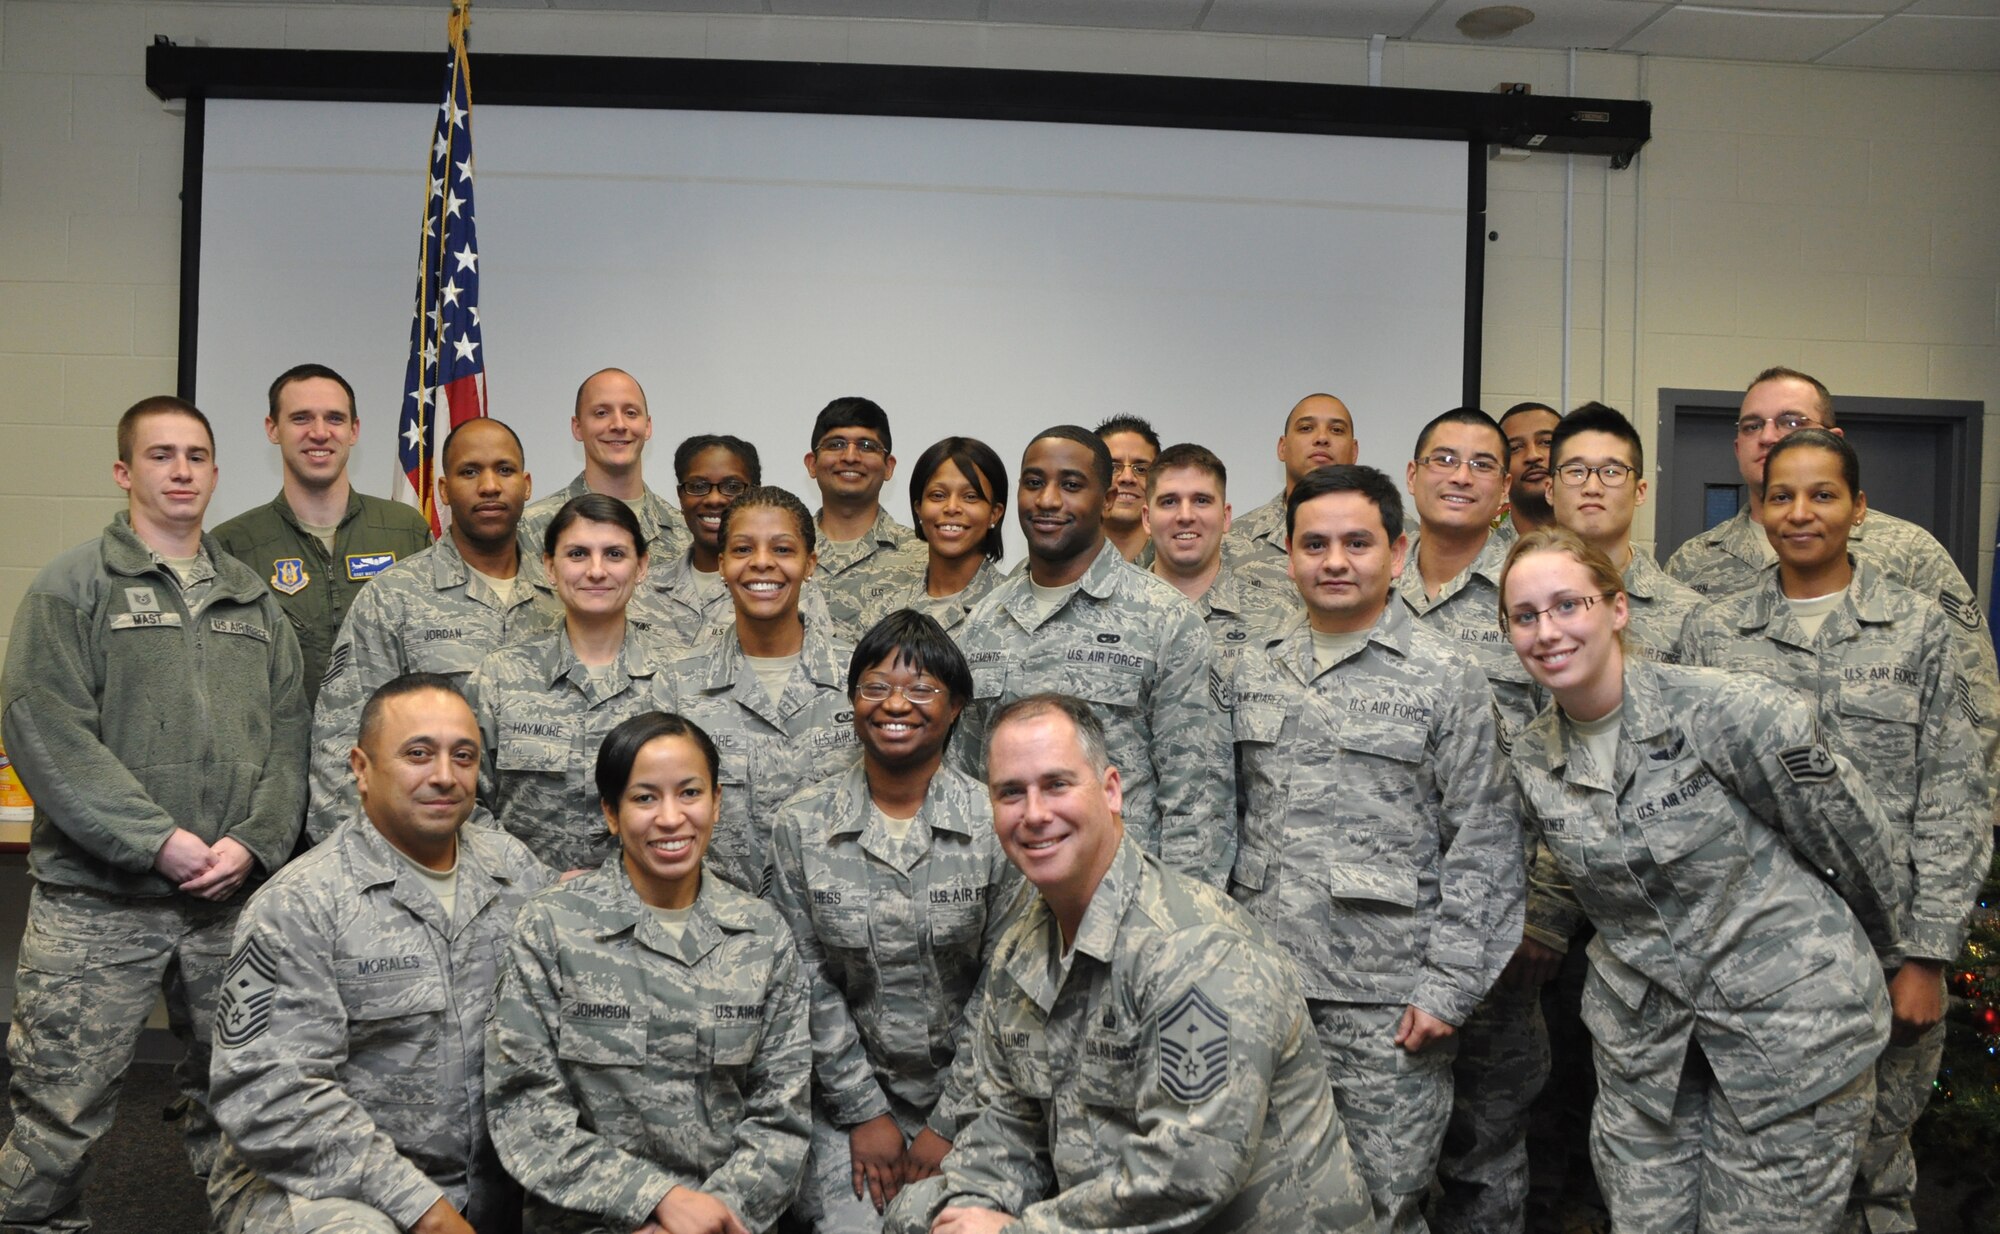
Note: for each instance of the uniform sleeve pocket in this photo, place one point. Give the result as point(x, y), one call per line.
point(1349, 880)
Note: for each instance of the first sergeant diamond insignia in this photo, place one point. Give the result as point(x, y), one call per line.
point(243, 1011)
point(1194, 1048)
point(1808, 764)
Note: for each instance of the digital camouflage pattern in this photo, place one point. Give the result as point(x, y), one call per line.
point(1260, 533)
point(1734, 555)
point(1380, 842)
point(1169, 1080)
point(1884, 686)
point(907, 591)
point(855, 574)
point(622, 1062)
point(92, 966)
point(1659, 605)
point(430, 613)
point(1736, 882)
point(1135, 649)
point(1467, 612)
point(769, 748)
point(894, 935)
point(1382, 848)
point(1240, 614)
point(351, 1032)
point(542, 715)
point(1883, 681)
point(1706, 1169)
point(666, 532)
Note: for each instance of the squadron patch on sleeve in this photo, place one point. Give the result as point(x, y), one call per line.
point(1194, 1048)
point(243, 1011)
point(1808, 764)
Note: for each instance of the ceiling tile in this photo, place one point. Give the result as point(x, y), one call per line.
point(1859, 8)
point(1910, 42)
point(1352, 19)
point(1708, 34)
point(1112, 14)
point(918, 10)
point(1558, 23)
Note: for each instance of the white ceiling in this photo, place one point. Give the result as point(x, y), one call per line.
point(1905, 34)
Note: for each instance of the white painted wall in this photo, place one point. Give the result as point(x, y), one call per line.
point(1838, 220)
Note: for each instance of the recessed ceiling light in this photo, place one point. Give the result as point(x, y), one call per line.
point(1495, 21)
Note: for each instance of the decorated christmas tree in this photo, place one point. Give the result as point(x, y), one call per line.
point(1958, 1139)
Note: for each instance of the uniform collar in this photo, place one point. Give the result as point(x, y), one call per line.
point(719, 911)
point(944, 807)
point(1486, 565)
point(1035, 965)
point(655, 515)
point(729, 673)
point(123, 552)
point(1644, 578)
point(1294, 647)
point(1766, 609)
point(283, 505)
point(636, 657)
point(884, 532)
point(374, 863)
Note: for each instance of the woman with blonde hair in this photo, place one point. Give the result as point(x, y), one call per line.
point(1739, 875)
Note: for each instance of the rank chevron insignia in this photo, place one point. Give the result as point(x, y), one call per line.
point(1194, 1048)
point(1808, 763)
point(244, 1008)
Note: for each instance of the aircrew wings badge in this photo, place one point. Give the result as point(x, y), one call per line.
point(243, 1009)
point(1194, 1048)
point(1807, 764)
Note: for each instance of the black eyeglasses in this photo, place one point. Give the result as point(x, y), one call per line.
point(702, 488)
point(1614, 475)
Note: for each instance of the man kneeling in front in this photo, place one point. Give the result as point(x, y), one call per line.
point(1146, 1059)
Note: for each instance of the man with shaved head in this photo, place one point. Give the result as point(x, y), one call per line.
point(1319, 431)
point(436, 612)
point(612, 422)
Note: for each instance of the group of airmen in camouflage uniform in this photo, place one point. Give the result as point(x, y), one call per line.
point(1199, 875)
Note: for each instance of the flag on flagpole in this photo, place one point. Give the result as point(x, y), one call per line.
point(446, 373)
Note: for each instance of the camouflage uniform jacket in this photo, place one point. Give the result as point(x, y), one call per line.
point(541, 718)
point(430, 613)
point(1883, 680)
point(853, 574)
point(1381, 844)
point(352, 1023)
point(1732, 557)
point(1171, 1080)
point(373, 535)
point(769, 750)
point(1659, 605)
point(1695, 858)
point(1133, 647)
point(948, 611)
point(622, 1062)
point(666, 533)
point(1467, 611)
point(130, 712)
point(670, 603)
point(1241, 614)
point(1260, 532)
point(894, 936)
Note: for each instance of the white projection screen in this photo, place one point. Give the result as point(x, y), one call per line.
point(983, 277)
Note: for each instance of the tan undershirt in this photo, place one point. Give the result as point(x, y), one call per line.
point(1328, 649)
point(773, 672)
point(443, 883)
point(1813, 611)
point(323, 533)
point(672, 920)
point(1600, 737)
point(503, 588)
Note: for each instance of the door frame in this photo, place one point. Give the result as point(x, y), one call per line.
point(1958, 480)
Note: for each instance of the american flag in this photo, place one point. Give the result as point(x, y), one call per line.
point(446, 370)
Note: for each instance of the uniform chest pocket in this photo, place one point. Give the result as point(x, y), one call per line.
point(456, 655)
point(989, 679)
point(395, 1022)
point(1880, 721)
point(1119, 684)
point(1400, 743)
point(1258, 723)
point(733, 758)
point(600, 1035)
point(841, 920)
point(1113, 1070)
point(957, 916)
point(730, 1043)
point(538, 752)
